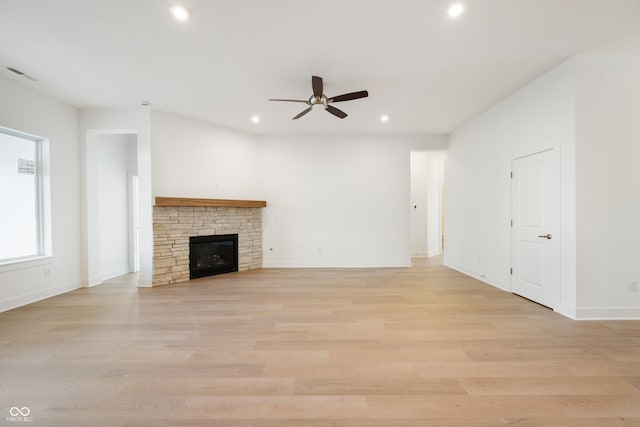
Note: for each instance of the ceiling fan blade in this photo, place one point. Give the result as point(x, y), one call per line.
point(302, 114)
point(336, 112)
point(290, 100)
point(318, 86)
point(349, 96)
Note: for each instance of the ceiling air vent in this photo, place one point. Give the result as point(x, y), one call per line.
point(20, 73)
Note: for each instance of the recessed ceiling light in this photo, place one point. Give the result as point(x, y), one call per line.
point(384, 118)
point(455, 10)
point(255, 119)
point(180, 13)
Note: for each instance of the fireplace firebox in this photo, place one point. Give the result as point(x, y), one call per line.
point(210, 255)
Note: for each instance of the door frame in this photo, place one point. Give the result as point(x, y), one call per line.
point(134, 222)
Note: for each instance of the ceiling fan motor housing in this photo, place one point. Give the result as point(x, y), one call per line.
point(318, 102)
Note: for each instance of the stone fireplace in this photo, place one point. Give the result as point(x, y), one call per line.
point(176, 221)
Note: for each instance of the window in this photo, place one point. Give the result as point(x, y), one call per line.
point(24, 218)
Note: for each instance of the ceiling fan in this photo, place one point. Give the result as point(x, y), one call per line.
point(320, 100)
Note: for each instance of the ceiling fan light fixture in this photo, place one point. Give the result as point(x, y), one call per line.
point(318, 102)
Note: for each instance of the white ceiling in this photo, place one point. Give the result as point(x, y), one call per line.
point(429, 73)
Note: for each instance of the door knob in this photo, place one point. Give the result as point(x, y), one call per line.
point(546, 236)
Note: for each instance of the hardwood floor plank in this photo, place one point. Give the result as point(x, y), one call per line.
point(557, 386)
point(368, 386)
point(255, 386)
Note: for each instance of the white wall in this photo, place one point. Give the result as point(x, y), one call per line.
point(192, 158)
point(112, 151)
point(332, 201)
point(608, 185)
point(338, 201)
point(477, 195)
point(27, 110)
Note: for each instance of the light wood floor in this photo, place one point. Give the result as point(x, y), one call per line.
point(424, 346)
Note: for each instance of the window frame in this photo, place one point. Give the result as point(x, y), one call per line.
point(43, 203)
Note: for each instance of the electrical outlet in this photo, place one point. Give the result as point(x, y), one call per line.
point(47, 272)
point(633, 286)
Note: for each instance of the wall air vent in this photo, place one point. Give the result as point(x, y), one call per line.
point(20, 73)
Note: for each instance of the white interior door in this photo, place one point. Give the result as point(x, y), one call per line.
point(535, 232)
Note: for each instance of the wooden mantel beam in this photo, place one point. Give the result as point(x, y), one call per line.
point(180, 201)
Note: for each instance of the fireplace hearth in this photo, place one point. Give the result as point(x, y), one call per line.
point(211, 255)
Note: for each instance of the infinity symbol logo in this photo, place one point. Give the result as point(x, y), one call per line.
point(15, 411)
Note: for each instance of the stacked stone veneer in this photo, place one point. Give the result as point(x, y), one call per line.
point(172, 227)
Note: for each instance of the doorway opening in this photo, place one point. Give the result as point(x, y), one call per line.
point(112, 194)
point(427, 203)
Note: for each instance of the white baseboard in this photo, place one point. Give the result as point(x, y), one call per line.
point(113, 273)
point(145, 282)
point(425, 254)
point(608, 313)
point(567, 311)
point(32, 297)
point(93, 281)
point(575, 313)
point(493, 281)
point(336, 264)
